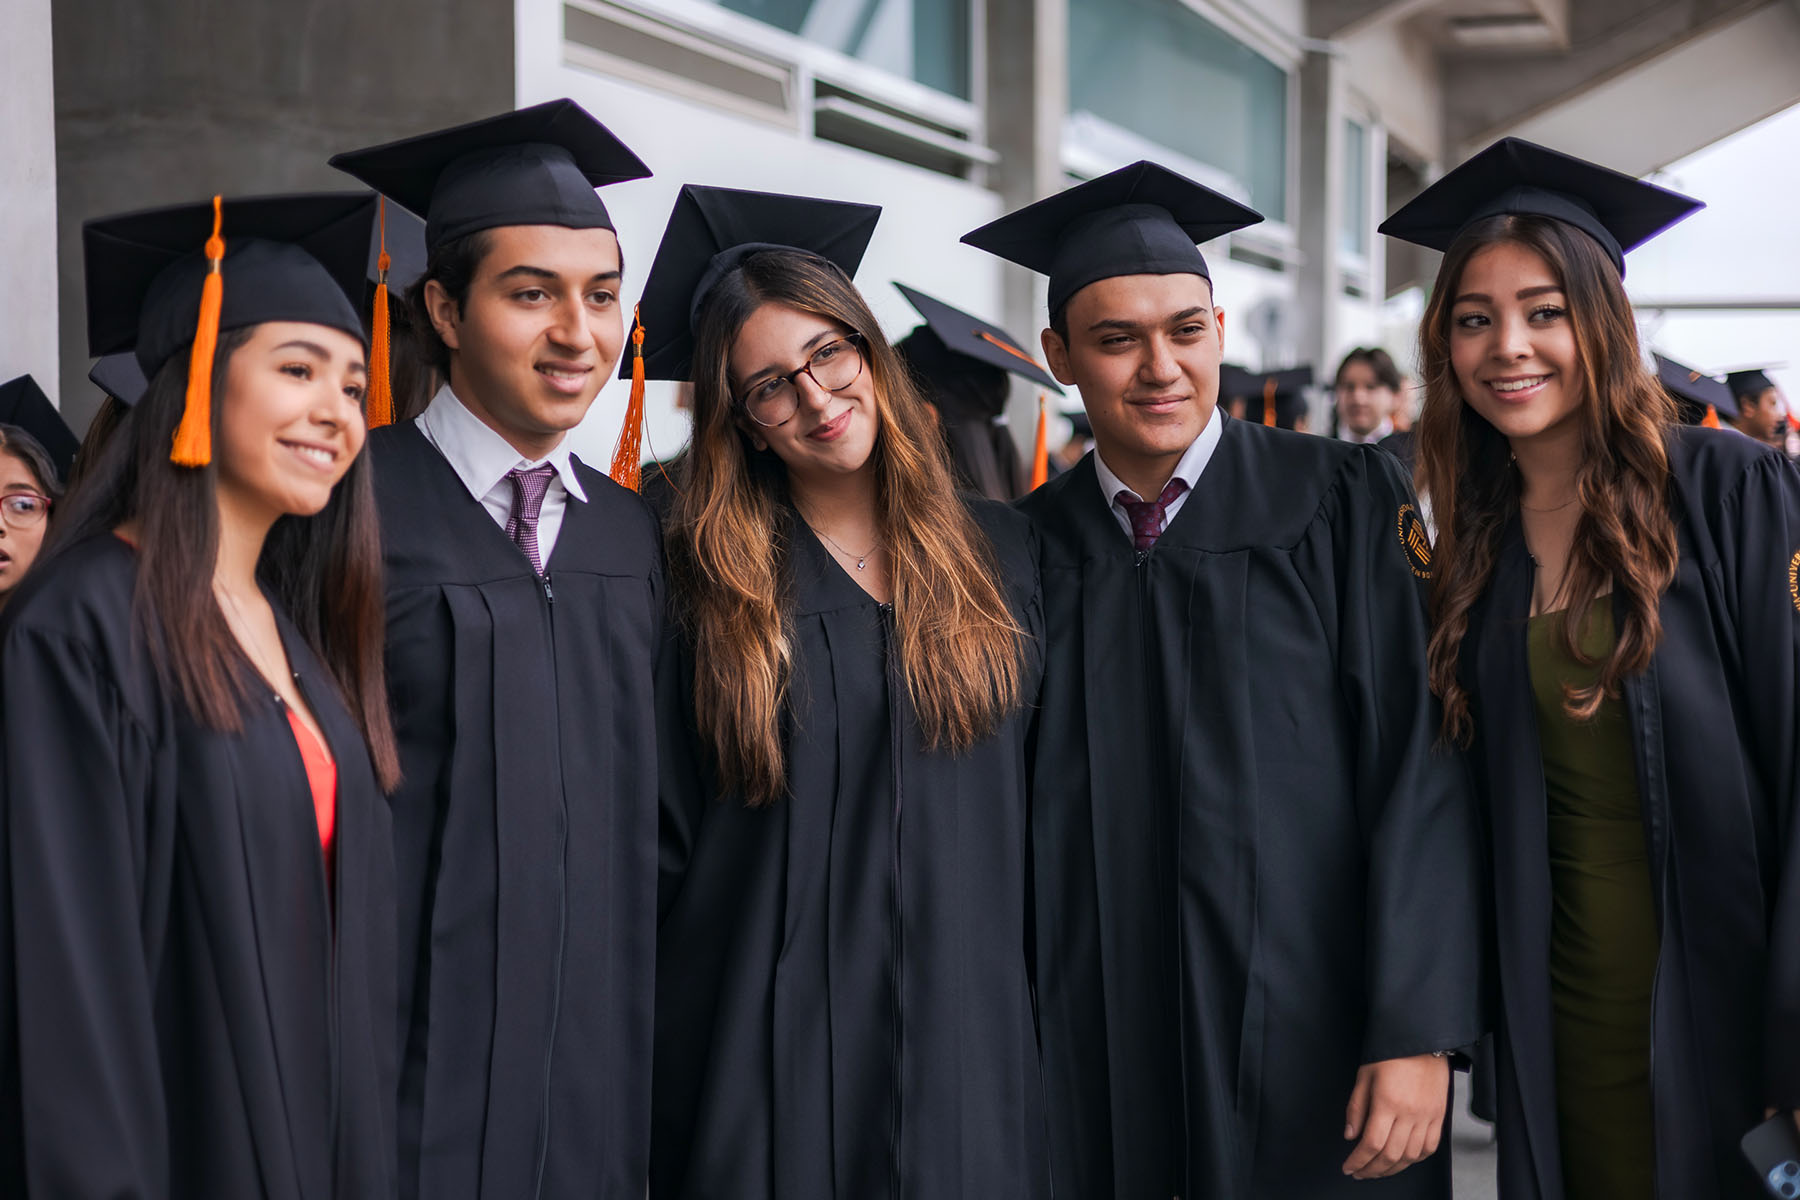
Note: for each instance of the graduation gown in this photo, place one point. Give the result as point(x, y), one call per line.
point(843, 1010)
point(181, 1016)
point(1713, 722)
point(525, 835)
point(1253, 871)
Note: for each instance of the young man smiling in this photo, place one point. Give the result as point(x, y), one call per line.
point(1256, 881)
point(524, 601)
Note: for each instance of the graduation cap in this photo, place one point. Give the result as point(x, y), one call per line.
point(1139, 220)
point(711, 231)
point(120, 377)
point(1751, 382)
point(1702, 398)
point(164, 279)
point(964, 334)
point(1270, 397)
point(23, 403)
point(536, 166)
point(1514, 176)
point(396, 260)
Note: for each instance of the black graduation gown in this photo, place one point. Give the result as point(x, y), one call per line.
point(1254, 872)
point(843, 1010)
point(179, 1019)
point(1714, 722)
point(525, 835)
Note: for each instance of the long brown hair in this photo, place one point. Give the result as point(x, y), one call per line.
point(959, 648)
point(324, 570)
point(1625, 535)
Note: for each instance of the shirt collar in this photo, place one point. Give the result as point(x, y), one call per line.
point(479, 456)
point(1375, 435)
point(1193, 462)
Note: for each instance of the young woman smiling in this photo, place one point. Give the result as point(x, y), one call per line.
point(842, 1002)
point(1614, 637)
point(197, 938)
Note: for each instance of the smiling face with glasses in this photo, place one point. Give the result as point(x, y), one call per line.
point(805, 390)
point(24, 515)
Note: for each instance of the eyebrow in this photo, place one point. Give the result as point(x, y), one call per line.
point(527, 271)
point(29, 488)
point(1523, 294)
point(1129, 326)
point(319, 351)
point(806, 350)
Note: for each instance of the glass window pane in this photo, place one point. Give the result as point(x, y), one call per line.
point(923, 40)
point(1156, 68)
point(1356, 189)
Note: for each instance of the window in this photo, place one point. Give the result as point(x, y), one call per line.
point(1156, 68)
point(1356, 190)
point(926, 41)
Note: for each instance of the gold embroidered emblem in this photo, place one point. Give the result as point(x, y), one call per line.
point(1417, 543)
point(1794, 579)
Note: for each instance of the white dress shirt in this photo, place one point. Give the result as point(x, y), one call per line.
point(1346, 434)
point(1188, 470)
point(481, 458)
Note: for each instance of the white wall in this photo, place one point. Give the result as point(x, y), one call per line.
point(684, 142)
point(28, 327)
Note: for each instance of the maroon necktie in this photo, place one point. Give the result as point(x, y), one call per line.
point(528, 501)
point(1147, 516)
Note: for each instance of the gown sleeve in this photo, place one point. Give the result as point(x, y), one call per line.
point(681, 785)
point(76, 765)
point(1759, 527)
point(1423, 950)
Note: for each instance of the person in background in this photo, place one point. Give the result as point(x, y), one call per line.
point(843, 1006)
point(1276, 398)
point(23, 403)
point(962, 366)
point(196, 933)
point(1616, 642)
point(1699, 399)
point(1366, 394)
point(29, 491)
point(1762, 410)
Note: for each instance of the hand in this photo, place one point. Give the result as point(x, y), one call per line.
point(1769, 1112)
point(1397, 1110)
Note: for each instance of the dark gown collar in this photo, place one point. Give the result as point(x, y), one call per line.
point(820, 582)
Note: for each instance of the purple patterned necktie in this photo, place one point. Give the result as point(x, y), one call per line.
point(528, 500)
point(1147, 516)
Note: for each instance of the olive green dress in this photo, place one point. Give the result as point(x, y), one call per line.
point(1603, 935)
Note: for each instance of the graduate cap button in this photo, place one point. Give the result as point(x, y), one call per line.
point(120, 377)
point(1143, 219)
point(1695, 388)
point(23, 403)
point(962, 333)
point(711, 231)
point(287, 258)
point(536, 166)
point(1516, 177)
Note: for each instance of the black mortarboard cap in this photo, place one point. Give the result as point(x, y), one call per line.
point(962, 333)
point(23, 403)
point(1513, 176)
point(1139, 220)
point(1694, 390)
point(710, 232)
point(537, 166)
point(119, 376)
point(1749, 383)
point(287, 258)
point(1286, 387)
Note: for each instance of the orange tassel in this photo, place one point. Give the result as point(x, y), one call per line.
point(193, 437)
point(627, 463)
point(1269, 401)
point(381, 388)
point(1711, 419)
point(1040, 453)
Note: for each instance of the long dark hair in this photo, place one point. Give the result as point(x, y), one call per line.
point(324, 570)
point(19, 444)
point(959, 648)
point(1625, 534)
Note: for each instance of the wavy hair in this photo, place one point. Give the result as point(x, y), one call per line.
point(1625, 534)
point(959, 649)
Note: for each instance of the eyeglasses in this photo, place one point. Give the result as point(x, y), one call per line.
point(24, 510)
point(834, 366)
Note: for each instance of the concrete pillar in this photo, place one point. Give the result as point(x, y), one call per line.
point(168, 101)
point(1026, 47)
point(1320, 217)
point(28, 196)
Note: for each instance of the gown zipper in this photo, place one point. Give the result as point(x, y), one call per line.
point(562, 913)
